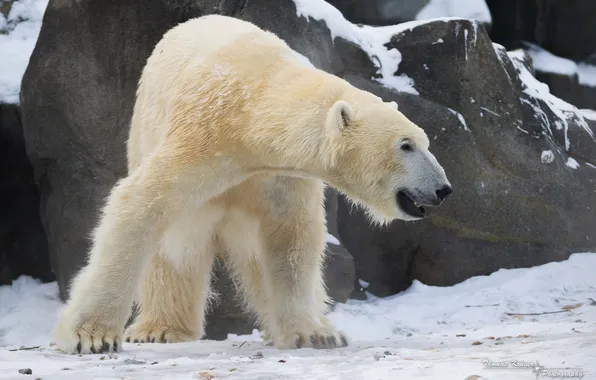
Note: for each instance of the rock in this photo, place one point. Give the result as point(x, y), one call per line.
point(23, 242)
point(558, 36)
point(565, 28)
point(569, 89)
point(5, 8)
point(76, 113)
point(574, 82)
point(489, 128)
point(340, 274)
point(226, 314)
point(331, 211)
point(379, 12)
point(391, 12)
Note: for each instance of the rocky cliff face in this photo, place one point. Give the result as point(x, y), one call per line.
point(521, 160)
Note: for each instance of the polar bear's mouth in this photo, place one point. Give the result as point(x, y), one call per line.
point(409, 206)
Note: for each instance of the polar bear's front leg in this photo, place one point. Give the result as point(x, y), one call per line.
point(294, 239)
point(102, 293)
point(137, 211)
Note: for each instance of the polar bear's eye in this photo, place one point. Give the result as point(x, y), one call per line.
point(406, 147)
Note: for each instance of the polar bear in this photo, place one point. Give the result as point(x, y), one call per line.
point(232, 141)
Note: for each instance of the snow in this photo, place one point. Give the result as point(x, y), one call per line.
point(370, 39)
point(545, 61)
point(460, 117)
point(572, 163)
point(472, 9)
point(564, 111)
point(547, 157)
point(332, 239)
point(424, 332)
point(588, 113)
point(21, 29)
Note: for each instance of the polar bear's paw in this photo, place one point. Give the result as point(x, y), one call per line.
point(87, 338)
point(151, 333)
point(324, 338)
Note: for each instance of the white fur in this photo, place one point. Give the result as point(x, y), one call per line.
point(231, 141)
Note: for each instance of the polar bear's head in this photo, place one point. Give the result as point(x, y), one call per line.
point(380, 159)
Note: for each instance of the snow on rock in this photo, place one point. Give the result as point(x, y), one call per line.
point(565, 112)
point(460, 117)
point(471, 9)
point(547, 157)
point(543, 314)
point(545, 61)
point(588, 114)
point(370, 39)
point(572, 163)
point(18, 35)
point(332, 239)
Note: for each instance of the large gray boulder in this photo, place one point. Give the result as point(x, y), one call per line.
point(508, 147)
point(23, 243)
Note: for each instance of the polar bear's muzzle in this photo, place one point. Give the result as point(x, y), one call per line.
point(412, 205)
point(409, 206)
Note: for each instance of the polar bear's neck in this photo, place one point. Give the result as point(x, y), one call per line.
point(288, 120)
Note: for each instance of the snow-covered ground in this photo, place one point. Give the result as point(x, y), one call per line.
point(423, 333)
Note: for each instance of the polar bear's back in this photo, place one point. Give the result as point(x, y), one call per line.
point(207, 34)
point(214, 39)
point(199, 61)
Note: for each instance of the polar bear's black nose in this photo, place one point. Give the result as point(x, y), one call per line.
point(444, 192)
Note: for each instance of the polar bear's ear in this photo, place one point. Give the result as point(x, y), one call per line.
point(340, 116)
point(393, 105)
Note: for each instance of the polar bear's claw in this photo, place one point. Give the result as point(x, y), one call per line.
point(323, 341)
point(318, 340)
point(149, 333)
point(90, 337)
point(97, 343)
